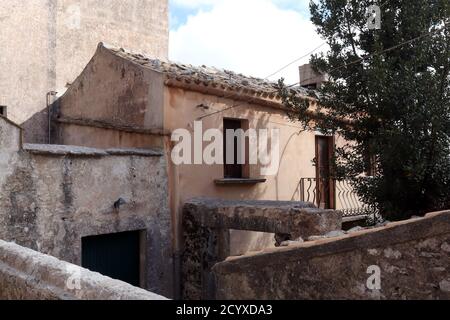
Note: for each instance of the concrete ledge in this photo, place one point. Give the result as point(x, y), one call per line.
point(233, 182)
point(285, 217)
point(29, 275)
point(109, 126)
point(64, 150)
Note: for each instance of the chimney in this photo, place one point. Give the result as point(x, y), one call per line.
point(310, 79)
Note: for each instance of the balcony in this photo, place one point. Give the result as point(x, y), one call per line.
point(333, 194)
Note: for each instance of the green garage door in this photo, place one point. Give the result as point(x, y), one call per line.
point(114, 255)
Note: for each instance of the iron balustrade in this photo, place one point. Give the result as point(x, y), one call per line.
point(333, 194)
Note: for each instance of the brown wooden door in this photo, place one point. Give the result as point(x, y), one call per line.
point(325, 192)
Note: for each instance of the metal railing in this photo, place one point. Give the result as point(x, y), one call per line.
point(333, 194)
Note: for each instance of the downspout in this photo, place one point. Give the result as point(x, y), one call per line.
point(176, 221)
point(52, 36)
point(49, 113)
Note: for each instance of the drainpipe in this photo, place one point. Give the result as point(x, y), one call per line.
point(49, 114)
point(176, 233)
point(174, 197)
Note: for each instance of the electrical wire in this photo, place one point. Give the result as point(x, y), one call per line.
point(296, 60)
point(340, 67)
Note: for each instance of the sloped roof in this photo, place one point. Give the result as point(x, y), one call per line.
point(215, 78)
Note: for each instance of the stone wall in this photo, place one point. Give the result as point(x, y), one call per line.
point(47, 43)
point(29, 275)
point(53, 196)
point(207, 224)
point(413, 258)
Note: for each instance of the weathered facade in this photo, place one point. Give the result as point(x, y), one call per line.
point(102, 177)
point(129, 100)
point(51, 197)
point(47, 43)
point(111, 171)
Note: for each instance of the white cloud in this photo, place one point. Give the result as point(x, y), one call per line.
point(254, 37)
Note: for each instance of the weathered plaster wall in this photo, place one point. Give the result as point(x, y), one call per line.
point(47, 43)
point(297, 150)
point(51, 197)
point(118, 103)
point(111, 104)
point(73, 134)
point(413, 256)
point(10, 136)
point(152, 106)
point(29, 275)
point(297, 147)
point(114, 91)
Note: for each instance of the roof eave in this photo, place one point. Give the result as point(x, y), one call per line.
point(262, 98)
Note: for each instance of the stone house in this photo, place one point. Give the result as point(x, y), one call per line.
point(127, 100)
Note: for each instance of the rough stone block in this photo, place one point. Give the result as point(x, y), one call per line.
point(206, 225)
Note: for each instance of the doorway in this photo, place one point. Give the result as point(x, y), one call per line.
point(325, 185)
point(115, 255)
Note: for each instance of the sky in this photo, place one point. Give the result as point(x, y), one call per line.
point(252, 37)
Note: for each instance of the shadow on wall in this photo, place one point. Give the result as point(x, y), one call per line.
point(242, 241)
point(36, 128)
point(287, 148)
point(295, 194)
point(247, 241)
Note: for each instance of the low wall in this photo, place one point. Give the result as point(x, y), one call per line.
point(29, 275)
point(403, 260)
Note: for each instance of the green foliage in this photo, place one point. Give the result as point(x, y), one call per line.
point(391, 101)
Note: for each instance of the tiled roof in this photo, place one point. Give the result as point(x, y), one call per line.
point(206, 76)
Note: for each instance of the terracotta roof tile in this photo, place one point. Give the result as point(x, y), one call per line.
point(203, 75)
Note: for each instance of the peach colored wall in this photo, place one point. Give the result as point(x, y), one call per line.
point(297, 150)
